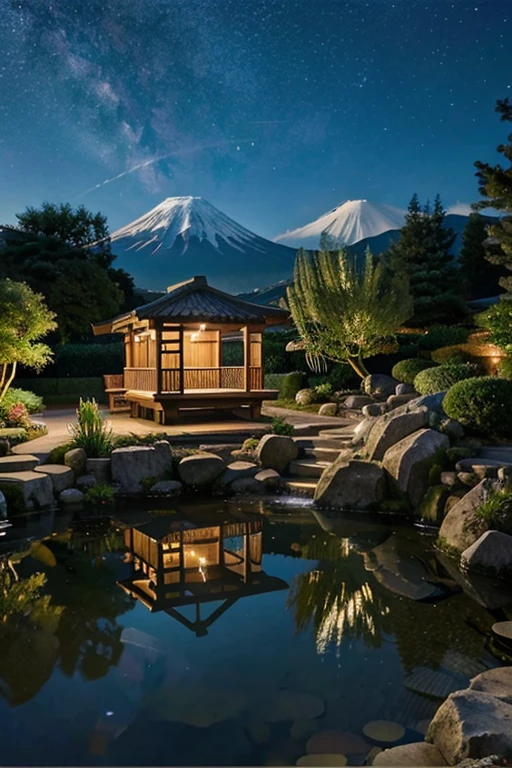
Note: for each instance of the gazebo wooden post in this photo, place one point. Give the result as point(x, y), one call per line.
point(218, 342)
point(158, 357)
point(247, 358)
point(181, 358)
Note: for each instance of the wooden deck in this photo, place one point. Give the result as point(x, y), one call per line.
point(165, 406)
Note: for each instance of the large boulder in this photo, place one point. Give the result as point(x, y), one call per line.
point(200, 469)
point(328, 409)
point(380, 385)
point(76, 459)
point(350, 484)
point(395, 401)
point(71, 496)
point(462, 527)
point(167, 488)
point(495, 682)
point(416, 754)
point(472, 724)
point(100, 468)
point(492, 551)
point(391, 428)
point(276, 452)
point(270, 479)
point(408, 462)
point(132, 465)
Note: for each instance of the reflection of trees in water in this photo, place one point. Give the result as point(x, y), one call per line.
point(73, 625)
point(336, 598)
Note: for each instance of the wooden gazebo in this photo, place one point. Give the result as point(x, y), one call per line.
point(173, 351)
point(178, 563)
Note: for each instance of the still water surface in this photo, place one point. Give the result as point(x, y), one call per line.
point(263, 639)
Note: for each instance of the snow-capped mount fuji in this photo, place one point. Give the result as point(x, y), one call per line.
point(187, 235)
point(347, 224)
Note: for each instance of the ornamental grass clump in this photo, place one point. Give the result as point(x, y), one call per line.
point(90, 432)
point(482, 405)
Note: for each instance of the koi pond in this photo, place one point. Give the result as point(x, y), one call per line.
point(230, 634)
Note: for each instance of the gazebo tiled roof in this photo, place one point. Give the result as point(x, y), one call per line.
point(195, 301)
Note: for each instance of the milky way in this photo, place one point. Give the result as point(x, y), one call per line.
point(275, 111)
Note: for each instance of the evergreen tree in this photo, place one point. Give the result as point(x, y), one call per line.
point(423, 252)
point(495, 185)
point(328, 242)
point(479, 278)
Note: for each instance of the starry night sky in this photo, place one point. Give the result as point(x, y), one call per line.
point(273, 110)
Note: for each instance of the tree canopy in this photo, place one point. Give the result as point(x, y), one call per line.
point(24, 321)
point(79, 283)
point(346, 311)
point(423, 252)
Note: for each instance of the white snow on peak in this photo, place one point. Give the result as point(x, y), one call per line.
point(188, 217)
point(460, 209)
point(348, 223)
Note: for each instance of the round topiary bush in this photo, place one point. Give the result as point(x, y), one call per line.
point(453, 355)
point(481, 404)
point(441, 378)
point(306, 397)
point(407, 370)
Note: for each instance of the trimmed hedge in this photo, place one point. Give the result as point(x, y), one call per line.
point(83, 360)
point(443, 336)
point(407, 370)
point(441, 378)
point(66, 390)
point(453, 355)
point(482, 405)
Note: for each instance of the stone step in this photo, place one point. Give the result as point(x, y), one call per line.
point(497, 453)
point(37, 488)
point(338, 433)
point(297, 487)
point(324, 454)
point(18, 463)
point(308, 468)
point(479, 463)
point(62, 477)
point(321, 442)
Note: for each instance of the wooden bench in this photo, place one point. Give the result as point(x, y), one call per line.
point(115, 389)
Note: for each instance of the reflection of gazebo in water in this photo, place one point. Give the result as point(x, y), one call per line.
point(181, 563)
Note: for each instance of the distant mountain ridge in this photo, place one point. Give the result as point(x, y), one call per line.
point(187, 235)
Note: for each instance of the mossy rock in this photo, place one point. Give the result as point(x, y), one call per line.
point(432, 505)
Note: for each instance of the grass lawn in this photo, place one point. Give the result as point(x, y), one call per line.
point(293, 406)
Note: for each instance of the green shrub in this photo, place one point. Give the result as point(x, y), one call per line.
point(57, 454)
point(497, 511)
point(457, 453)
point(281, 427)
point(443, 336)
point(441, 378)
point(99, 494)
point(482, 405)
point(343, 376)
point(90, 432)
point(91, 360)
point(323, 391)
point(32, 402)
point(290, 385)
point(407, 370)
point(274, 380)
point(505, 368)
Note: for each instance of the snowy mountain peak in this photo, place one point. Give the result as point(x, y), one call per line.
point(348, 223)
point(183, 234)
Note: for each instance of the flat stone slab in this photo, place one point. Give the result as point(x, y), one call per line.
point(503, 630)
point(418, 755)
point(17, 463)
point(37, 488)
point(430, 682)
point(62, 477)
point(496, 682)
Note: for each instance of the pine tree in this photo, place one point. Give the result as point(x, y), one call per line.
point(328, 242)
point(495, 185)
point(423, 252)
point(478, 278)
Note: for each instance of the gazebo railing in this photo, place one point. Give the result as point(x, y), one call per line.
point(225, 377)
